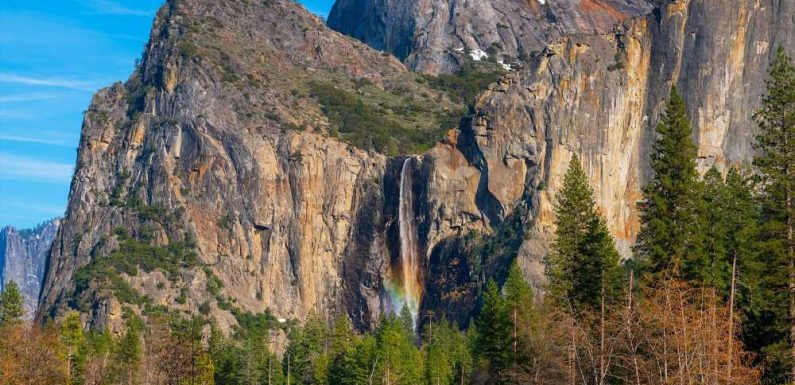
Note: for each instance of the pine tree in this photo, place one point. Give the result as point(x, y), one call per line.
point(342, 336)
point(366, 361)
point(776, 163)
point(225, 356)
point(448, 359)
point(518, 294)
point(308, 350)
point(400, 362)
point(740, 224)
point(584, 264)
point(714, 268)
point(407, 319)
point(127, 358)
point(11, 304)
point(343, 366)
point(670, 211)
point(257, 363)
point(73, 337)
point(494, 330)
point(439, 365)
point(729, 228)
point(519, 301)
point(98, 347)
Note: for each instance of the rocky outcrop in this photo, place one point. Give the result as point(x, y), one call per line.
point(218, 145)
point(215, 143)
point(439, 36)
point(23, 255)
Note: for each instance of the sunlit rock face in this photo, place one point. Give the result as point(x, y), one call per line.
point(596, 80)
point(214, 131)
point(292, 219)
point(23, 255)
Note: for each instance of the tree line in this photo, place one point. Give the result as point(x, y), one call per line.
point(708, 298)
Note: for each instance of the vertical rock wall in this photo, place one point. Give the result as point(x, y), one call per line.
point(23, 255)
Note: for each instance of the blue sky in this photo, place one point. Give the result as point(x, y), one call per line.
point(54, 54)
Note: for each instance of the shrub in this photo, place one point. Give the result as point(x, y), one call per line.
point(204, 308)
point(225, 222)
point(464, 86)
point(367, 126)
point(254, 325)
point(187, 49)
point(131, 255)
point(183, 296)
point(214, 284)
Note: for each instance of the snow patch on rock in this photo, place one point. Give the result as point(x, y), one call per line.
point(478, 54)
point(504, 65)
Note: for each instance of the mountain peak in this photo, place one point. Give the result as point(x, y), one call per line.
point(23, 256)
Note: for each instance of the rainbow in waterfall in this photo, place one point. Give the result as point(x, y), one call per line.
point(405, 284)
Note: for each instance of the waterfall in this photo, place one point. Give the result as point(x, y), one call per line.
point(406, 284)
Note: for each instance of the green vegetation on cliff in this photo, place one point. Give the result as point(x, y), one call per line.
point(387, 123)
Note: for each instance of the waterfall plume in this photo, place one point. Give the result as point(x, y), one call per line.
point(405, 284)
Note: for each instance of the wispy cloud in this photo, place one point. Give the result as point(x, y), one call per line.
point(71, 84)
point(114, 8)
point(30, 97)
point(27, 139)
point(31, 169)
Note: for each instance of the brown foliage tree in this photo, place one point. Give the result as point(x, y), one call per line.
point(689, 334)
point(32, 355)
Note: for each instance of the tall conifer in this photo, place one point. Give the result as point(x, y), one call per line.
point(715, 268)
point(776, 164)
point(11, 304)
point(670, 211)
point(494, 330)
point(584, 264)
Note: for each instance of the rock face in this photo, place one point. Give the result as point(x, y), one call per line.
point(595, 87)
point(431, 35)
point(217, 142)
point(214, 143)
point(23, 255)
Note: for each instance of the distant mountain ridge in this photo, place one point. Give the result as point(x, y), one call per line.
point(23, 257)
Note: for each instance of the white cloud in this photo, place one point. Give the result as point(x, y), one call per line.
point(47, 82)
point(14, 167)
point(27, 139)
point(31, 97)
point(15, 114)
point(114, 8)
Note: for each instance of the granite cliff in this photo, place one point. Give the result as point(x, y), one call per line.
point(595, 86)
point(23, 255)
point(257, 159)
point(214, 175)
point(431, 36)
